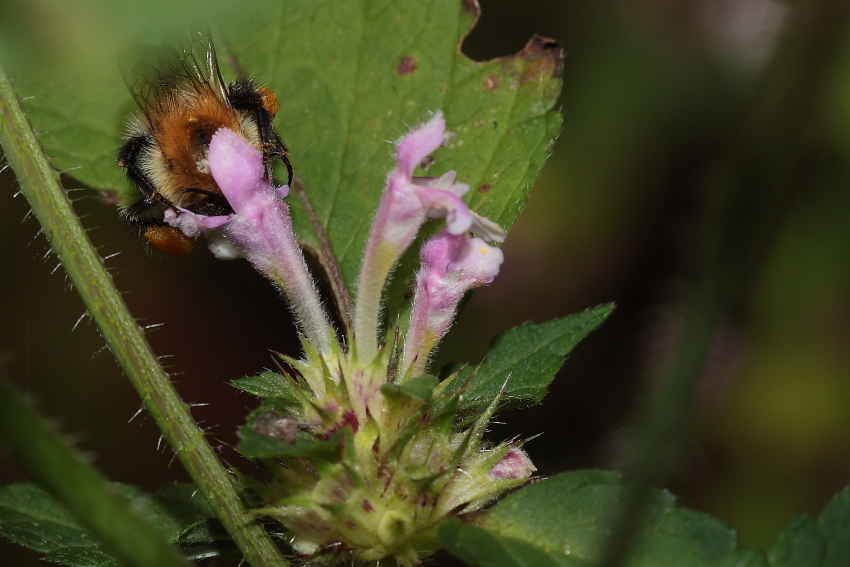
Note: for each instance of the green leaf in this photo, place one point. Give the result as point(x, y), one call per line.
point(822, 543)
point(172, 508)
point(420, 388)
point(80, 120)
point(477, 546)
point(351, 76)
point(801, 543)
point(267, 385)
point(254, 444)
point(80, 557)
point(524, 361)
point(566, 519)
point(32, 518)
point(205, 539)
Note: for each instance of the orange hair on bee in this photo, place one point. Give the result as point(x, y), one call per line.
point(269, 100)
point(181, 132)
point(183, 102)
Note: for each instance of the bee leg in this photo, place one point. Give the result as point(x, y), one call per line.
point(276, 148)
point(211, 205)
point(273, 143)
point(284, 157)
point(244, 95)
point(128, 159)
point(142, 214)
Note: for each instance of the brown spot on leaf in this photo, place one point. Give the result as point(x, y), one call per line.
point(483, 188)
point(426, 163)
point(545, 53)
point(491, 83)
point(407, 65)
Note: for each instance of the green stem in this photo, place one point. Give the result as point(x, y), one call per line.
point(39, 183)
point(46, 458)
point(327, 259)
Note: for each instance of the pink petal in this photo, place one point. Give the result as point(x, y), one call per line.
point(236, 166)
point(417, 145)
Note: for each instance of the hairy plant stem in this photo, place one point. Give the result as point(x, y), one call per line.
point(327, 259)
point(40, 185)
point(48, 459)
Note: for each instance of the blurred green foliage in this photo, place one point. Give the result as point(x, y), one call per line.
point(655, 95)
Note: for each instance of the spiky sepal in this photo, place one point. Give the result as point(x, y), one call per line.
point(365, 468)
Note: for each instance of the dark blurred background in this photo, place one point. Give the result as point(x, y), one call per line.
point(655, 96)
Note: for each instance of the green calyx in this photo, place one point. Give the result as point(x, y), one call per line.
point(365, 469)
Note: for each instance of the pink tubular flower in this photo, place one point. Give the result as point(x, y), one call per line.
point(451, 266)
point(389, 466)
point(259, 229)
point(406, 204)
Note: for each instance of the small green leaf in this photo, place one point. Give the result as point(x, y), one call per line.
point(566, 520)
point(205, 539)
point(32, 518)
point(253, 444)
point(182, 504)
point(525, 360)
point(420, 388)
point(266, 385)
point(822, 543)
point(801, 543)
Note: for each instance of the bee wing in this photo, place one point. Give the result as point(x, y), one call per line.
point(163, 71)
point(200, 62)
point(146, 85)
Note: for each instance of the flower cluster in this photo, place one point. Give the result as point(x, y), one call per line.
point(365, 451)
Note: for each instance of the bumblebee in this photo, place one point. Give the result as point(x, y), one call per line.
point(184, 101)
